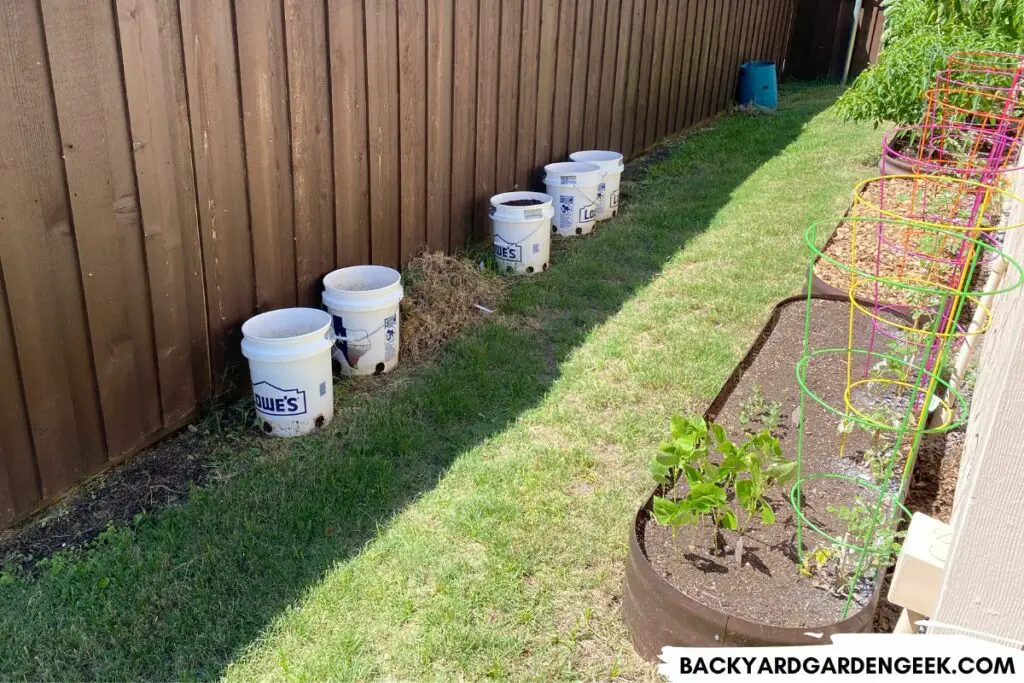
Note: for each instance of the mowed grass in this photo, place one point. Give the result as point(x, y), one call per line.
point(471, 520)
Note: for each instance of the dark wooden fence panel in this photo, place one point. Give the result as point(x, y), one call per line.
point(820, 35)
point(172, 167)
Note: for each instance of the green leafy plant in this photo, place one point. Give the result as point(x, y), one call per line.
point(917, 38)
point(838, 562)
point(716, 492)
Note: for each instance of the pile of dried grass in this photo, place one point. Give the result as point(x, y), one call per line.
point(441, 297)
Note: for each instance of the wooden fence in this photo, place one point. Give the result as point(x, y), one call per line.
point(170, 167)
point(821, 36)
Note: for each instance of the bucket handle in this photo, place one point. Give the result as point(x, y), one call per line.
point(544, 224)
point(335, 337)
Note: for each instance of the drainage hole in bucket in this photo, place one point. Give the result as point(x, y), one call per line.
point(544, 267)
point(522, 202)
point(379, 369)
point(508, 269)
point(319, 422)
point(579, 231)
point(267, 428)
point(554, 229)
point(529, 269)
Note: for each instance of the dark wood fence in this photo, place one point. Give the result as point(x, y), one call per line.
point(171, 167)
point(821, 36)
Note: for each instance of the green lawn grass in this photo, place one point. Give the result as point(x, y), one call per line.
point(471, 520)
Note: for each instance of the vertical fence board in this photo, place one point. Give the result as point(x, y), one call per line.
point(511, 36)
point(412, 101)
point(440, 28)
point(546, 87)
point(150, 40)
point(382, 112)
point(97, 150)
point(40, 268)
point(19, 487)
point(644, 78)
point(593, 103)
point(704, 20)
point(609, 69)
point(721, 58)
point(526, 139)
point(636, 35)
point(657, 58)
point(668, 69)
point(683, 97)
point(464, 99)
point(563, 80)
point(625, 25)
point(309, 96)
point(488, 41)
point(215, 112)
point(263, 76)
point(578, 93)
point(347, 35)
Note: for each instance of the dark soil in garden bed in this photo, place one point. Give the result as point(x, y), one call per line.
point(521, 202)
point(768, 589)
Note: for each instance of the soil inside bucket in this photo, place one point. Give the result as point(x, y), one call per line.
point(768, 588)
point(522, 202)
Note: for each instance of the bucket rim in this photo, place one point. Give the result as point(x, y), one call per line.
point(498, 200)
point(571, 168)
point(249, 334)
point(593, 156)
point(334, 275)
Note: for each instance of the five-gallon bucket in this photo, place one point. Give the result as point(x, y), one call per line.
point(364, 302)
point(520, 226)
point(573, 185)
point(289, 352)
point(611, 167)
point(759, 84)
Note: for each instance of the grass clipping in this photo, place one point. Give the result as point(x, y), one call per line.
point(441, 297)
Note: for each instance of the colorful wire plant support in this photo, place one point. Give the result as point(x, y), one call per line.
point(973, 120)
point(883, 397)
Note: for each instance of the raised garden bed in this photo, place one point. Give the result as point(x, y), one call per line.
point(681, 590)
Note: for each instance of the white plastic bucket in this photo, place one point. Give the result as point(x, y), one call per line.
point(611, 167)
point(573, 187)
point(364, 301)
point(289, 352)
point(520, 231)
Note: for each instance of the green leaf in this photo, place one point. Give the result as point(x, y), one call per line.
point(679, 426)
point(692, 475)
point(745, 494)
point(733, 464)
point(717, 433)
point(712, 473)
point(729, 520)
point(767, 514)
point(683, 516)
point(103, 582)
point(660, 473)
point(667, 459)
point(782, 472)
point(664, 509)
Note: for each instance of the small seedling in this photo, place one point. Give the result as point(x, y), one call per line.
point(839, 562)
point(757, 408)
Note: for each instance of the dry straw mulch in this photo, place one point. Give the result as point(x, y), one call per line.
point(441, 298)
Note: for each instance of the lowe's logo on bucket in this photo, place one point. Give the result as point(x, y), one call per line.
point(588, 213)
point(506, 251)
point(271, 400)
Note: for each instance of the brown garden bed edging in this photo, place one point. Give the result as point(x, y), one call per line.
point(657, 614)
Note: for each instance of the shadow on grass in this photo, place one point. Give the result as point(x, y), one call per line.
point(186, 591)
